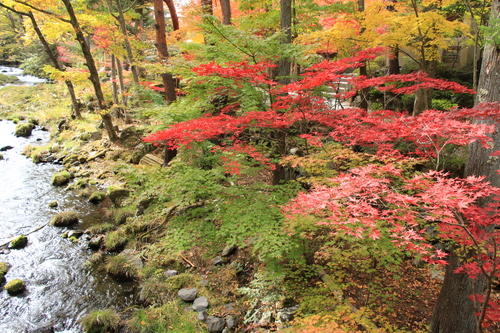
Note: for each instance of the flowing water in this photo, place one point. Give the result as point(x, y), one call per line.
point(59, 290)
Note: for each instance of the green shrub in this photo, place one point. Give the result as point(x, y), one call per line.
point(101, 321)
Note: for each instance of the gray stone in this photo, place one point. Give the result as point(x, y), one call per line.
point(170, 272)
point(215, 324)
point(202, 316)
point(188, 295)
point(74, 233)
point(228, 250)
point(5, 148)
point(200, 304)
point(95, 242)
point(204, 282)
point(230, 322)
point(218, 261)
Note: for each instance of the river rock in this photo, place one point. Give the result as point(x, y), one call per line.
point(1, 157)
point(230, 322)
point(53, 204)
point(96, 197)
point(24, 130)
point(61, 178)
point(188, 295)
point(75, 233)
point(64, 219)
point(5, 148)
point(15, 286)
point(96, 241)
point(117, 194)
point(18, 242)
point(4, 268)
point(200, 304)
point(215, 324)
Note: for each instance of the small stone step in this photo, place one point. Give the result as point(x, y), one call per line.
point(151, 160)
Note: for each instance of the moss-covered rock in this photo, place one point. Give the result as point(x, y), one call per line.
point(5, 79)
point(117, 194)
point(96, 197)
point(15, 286)
point(61, 178)
point(19, 242)
point(4, 268)
point(53, 204)
point(125, 266)
point(1, 157)
point(24, 130)
point(65, 219)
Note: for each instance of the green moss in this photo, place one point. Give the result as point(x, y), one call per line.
point(122, 267)
point(116, 240)
point(101, 321)
point(96, 197)
point(61, 178)
point(4, 268)
point(19, 242)
point(65, 219)
point(6, 79)
point(24, 130)
point(15, 286)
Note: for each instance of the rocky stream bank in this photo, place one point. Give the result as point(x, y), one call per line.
point(197, 288)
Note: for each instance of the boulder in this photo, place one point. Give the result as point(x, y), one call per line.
point(4, 268)
point(96, 197)
point(96, 241)
point(215, 324)
point(202, 316)
point(230, 322)
point(228, 250)
point(24, 130)
point(15, 286)
point(61, 178)
point(200, 304)
point(131, 136)
point(64, 219)
point(218, 261)
point(117, 194)
point(18, 242)
point(188, 295)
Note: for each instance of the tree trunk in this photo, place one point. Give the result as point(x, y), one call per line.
point(128, 47)
point(173, 14)
point(161, 45)
point(453, 306)
point(284, 65)
point(423, 97)
point(93, 73)
point(226, 12)
point(113, 79)
point(207, 7)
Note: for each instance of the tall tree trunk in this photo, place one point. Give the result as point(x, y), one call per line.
point(363, 93)
point(161, 45)
point(226, 11)
point(283, 73)
point(207, 7)
point(113, 79)
point(93, 73)
point(128, 47)
point(453, 305)
point(423, 97)
point(173, 14)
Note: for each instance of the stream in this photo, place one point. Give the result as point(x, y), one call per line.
point(59, 290)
